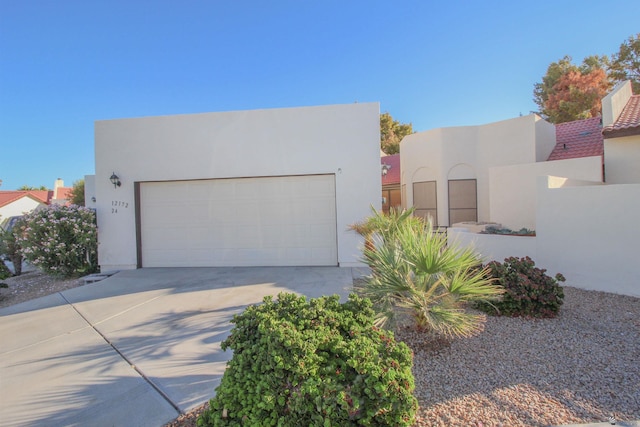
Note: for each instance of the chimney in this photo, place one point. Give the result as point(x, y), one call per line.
point(59, 183)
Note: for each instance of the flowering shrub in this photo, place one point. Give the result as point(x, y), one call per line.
point(60, 240)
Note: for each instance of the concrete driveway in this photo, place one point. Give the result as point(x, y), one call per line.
point(138, 348)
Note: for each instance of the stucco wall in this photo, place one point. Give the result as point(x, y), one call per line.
point(90, 191)
point(337, 139)
point(514, 188)
point(494, 247)
point(615, 101)
point(19, 207)
point(469, 152)
point(591, 235)
point(622, 160)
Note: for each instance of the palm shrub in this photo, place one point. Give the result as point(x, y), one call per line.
point(414, 272)
point(60, 240)
point(299, 362)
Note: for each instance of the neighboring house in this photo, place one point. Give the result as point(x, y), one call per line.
point(586, 229)
point(16, 203)
point(276, 187)
point(578, 139)
point(488, 172)
point(61, 195)
point(621, 121)
point(390, 171)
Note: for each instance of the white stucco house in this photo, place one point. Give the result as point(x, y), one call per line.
point(580, 194)
point(16, 203)
point(20, 202)
point(276, 187)
point(485, 173)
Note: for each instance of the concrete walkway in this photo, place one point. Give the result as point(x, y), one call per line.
point(135, 349)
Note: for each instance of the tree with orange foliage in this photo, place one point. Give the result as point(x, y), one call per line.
point(577, 96)
point(569, 92)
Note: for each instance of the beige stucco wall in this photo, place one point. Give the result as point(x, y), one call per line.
point(19, 207)
point(588, 233)
point(513, 195)
point(622, 160)
point(493, 247)
point(591, 235)
point(469, 152)
point(614, 102)
point(90, 191)
point(338, 139)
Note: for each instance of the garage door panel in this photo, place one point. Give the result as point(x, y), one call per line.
point(243, 222)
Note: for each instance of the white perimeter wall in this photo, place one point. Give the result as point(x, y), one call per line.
point(339, 139)
point(622, 160)
point(493, 247)
point(589, 233)
point(513, 188)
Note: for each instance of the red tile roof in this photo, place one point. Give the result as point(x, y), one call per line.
point(44, 196)
point(7, 197)
point(393, 173)
point(628, 123)
point(580, 138)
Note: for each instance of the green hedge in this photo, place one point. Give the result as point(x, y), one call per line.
point(316, 362)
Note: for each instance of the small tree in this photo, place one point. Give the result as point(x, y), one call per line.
point(625, 65)
point(10, 247)
point(415, 272)
point(569, 92)
point(392, 132)
point(77, 193)
point(61, 240)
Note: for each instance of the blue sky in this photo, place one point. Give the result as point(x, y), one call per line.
point(65, 64)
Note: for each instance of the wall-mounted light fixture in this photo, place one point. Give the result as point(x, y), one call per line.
point(385, 169)
point(115, 180)
point(93, 199)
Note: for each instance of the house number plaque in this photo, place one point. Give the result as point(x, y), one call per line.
point(118, 204)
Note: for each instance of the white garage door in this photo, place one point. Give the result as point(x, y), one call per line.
point(274, 221)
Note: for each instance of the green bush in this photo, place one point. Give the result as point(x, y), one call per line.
point(4, 270)
point(10, 247)
point(60, 240)
point(316, 362)
point(528, 290)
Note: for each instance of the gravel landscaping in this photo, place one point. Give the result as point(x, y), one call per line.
point(583, 366)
